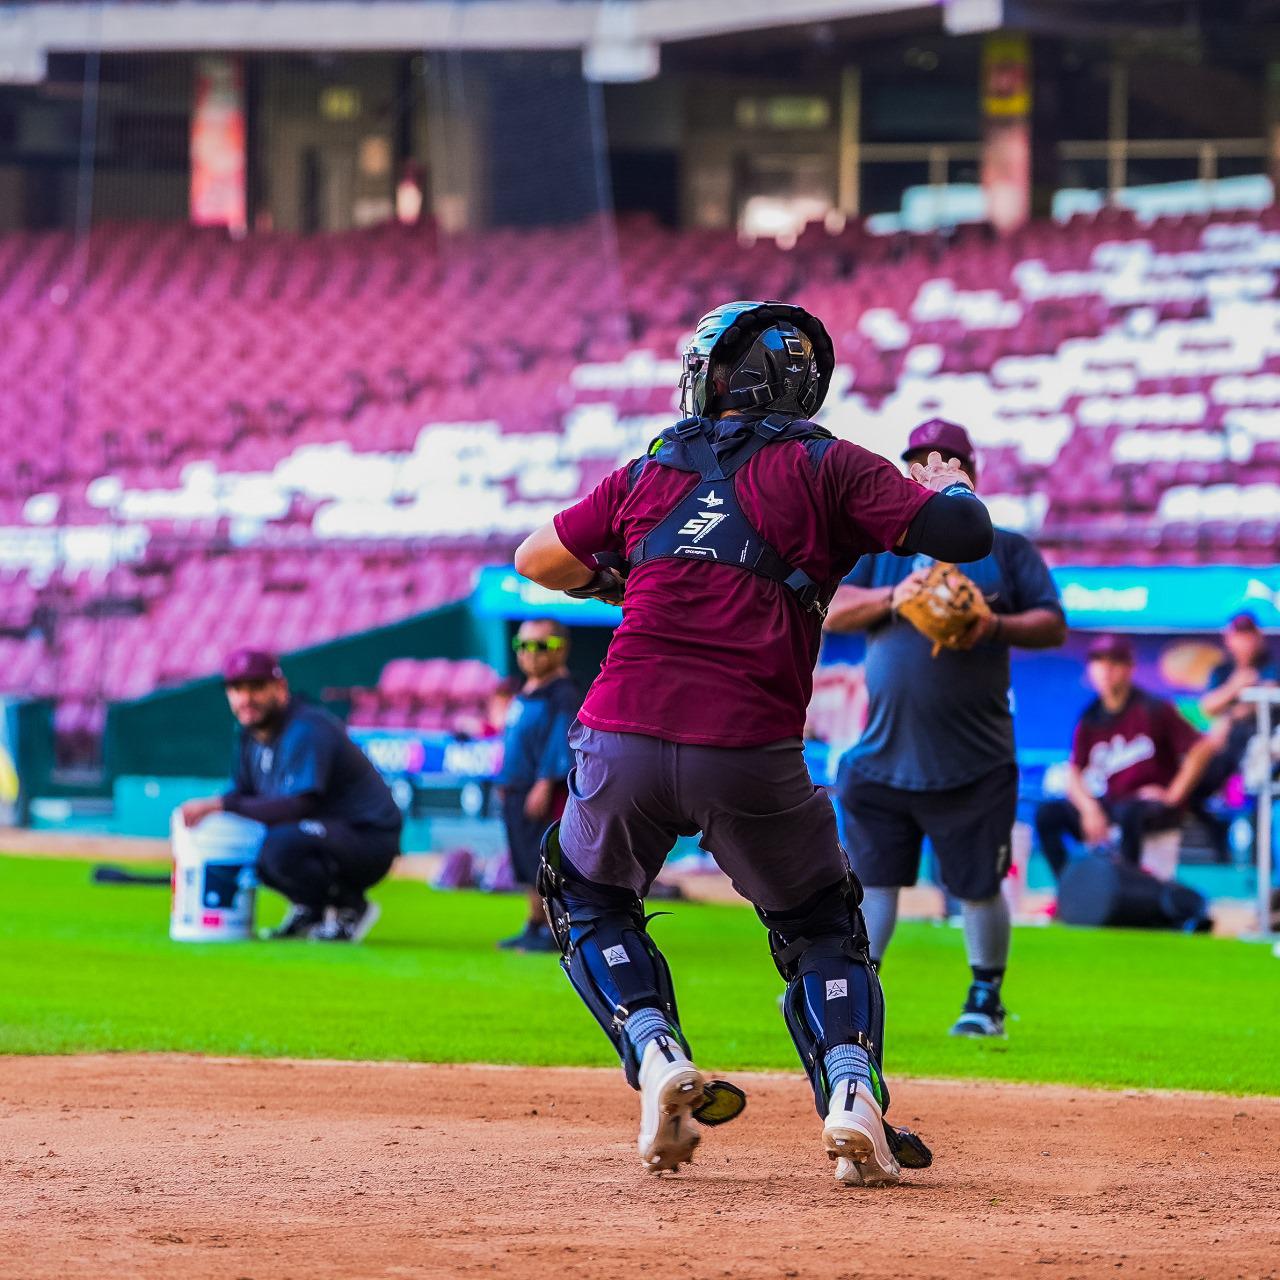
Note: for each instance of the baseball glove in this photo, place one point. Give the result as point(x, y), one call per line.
point(944, 606)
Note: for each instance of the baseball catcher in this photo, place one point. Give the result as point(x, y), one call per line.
point(726, 541)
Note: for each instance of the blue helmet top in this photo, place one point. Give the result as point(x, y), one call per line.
point(772, 357)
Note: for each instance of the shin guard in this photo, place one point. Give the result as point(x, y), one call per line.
point(833, 993)
point(606, 951)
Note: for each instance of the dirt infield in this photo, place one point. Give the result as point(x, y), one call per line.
point(171, 1166)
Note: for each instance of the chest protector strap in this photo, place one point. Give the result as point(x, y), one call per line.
point(709, 524)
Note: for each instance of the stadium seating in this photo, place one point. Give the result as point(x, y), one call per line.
point(433, 694)
point(281, 439)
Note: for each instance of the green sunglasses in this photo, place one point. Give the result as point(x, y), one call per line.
point(549, 645)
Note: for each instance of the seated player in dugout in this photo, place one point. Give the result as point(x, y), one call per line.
point(724, 544)
point(1248, 665)
point(535, 763)
point(1134, 763)
point(937, 755)
point(333, 828)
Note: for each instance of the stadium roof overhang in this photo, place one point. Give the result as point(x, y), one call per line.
point(621, 37)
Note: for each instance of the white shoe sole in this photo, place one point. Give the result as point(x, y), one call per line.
point(367, 921)
point(858, 1146)
point(670, 1132)
point(980, 1026)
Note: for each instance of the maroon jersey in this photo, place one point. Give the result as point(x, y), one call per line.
point(1141, 744)
point(707, 653)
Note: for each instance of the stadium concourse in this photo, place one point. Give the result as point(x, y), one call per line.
point(283, 439)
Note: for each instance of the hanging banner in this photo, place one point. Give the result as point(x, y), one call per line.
point(218, 145)
point(1006, 130)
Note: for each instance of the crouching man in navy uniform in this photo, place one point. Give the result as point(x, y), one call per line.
point(333, 828)
point(724, 544)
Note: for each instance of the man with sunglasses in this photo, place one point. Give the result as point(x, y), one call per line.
point(535, 762)
point(724, 544)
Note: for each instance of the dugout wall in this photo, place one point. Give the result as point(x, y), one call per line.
point(187, 731)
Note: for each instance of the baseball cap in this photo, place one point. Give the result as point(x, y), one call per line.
point(1243, 621)
point(949, 438)
point(1116, 647)
point(250, 664)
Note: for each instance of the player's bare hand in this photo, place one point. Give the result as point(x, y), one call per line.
point(1243, 678)
point(983, 629)
point(537, 804)
point(195, 812)
point(907, 587)
point(1155, 793)
point(937, 475)
point(1095, 825)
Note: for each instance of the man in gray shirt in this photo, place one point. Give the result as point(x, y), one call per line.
point(937, 756)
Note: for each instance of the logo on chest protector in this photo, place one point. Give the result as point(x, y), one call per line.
point(697, 527)
point(616, 955)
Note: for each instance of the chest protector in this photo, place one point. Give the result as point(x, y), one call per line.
point(709, 524)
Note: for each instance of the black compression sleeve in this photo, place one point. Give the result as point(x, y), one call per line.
point(272, 810)
point(954, 527)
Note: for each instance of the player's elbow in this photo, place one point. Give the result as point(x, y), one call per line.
point(1056, 635)
point(526, 559)
point(535, 556)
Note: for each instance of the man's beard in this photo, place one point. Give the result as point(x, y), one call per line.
point(265, 720)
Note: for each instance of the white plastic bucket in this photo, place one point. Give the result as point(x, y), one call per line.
point(213, 878)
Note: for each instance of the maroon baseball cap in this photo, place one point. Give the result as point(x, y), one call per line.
point(1116, 647)
point(949, 438)
point(250, 664)
point(1243, 621)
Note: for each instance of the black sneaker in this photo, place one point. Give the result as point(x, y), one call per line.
point(983, 1014)
point(347, 924)
point(533, 937)
point(298, 923)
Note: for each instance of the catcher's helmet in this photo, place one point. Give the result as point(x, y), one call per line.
point(775, 358)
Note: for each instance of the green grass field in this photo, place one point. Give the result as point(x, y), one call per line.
point(91, 968)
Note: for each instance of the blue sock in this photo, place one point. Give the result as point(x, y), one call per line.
point(645, 1025)
point(844, 1063)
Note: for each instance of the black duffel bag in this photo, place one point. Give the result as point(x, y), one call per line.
point(1104, 891)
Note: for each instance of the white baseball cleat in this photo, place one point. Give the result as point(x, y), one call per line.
point(854, 1138)
point(670, 1088)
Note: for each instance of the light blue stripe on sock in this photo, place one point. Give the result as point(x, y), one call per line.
point(847, 1062)
point(645, 1025)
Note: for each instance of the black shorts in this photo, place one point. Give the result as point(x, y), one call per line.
point(770, 830)
point(969, 827)
point(524, 836)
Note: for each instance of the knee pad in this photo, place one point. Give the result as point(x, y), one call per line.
point(833, 993)
point(606, 951)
